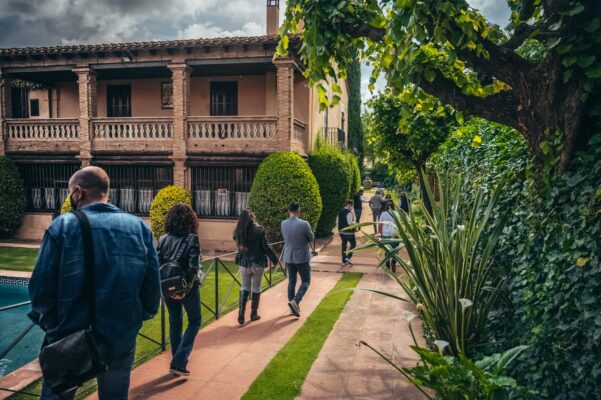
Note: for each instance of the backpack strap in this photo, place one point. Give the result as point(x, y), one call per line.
point(183, 245)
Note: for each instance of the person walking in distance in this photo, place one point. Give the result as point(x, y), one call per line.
point(404, 202)
point(358, 201)
point(122, 271)
point(388, 229)
point(344, 220)
point(180, 243)
point(253, 252)
point(297, 236)
point(375, 203)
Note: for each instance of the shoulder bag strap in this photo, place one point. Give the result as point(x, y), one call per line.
point(88, 252)
point(182, 247)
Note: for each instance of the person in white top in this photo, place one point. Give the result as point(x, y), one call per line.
point(344, 220)
point(388, 229)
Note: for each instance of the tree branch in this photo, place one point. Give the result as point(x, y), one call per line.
point(364, 30)
point(500, 107)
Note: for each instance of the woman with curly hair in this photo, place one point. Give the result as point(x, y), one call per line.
point(253, 252)
point(181, 238)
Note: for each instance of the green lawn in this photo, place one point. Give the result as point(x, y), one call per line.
point(228, 299)
point(284, 375)
point(17, 259)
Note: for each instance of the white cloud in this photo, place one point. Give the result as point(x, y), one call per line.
point(208, 30)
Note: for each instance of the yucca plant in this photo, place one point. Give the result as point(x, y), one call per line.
point(447, 269)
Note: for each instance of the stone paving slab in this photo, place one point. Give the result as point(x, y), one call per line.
point(228, 358)
point(344, 370)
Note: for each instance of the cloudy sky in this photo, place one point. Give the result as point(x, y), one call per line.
point(55, 22)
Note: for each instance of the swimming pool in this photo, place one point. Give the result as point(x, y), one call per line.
point(13, 321)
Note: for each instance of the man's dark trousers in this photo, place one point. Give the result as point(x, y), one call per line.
point(304, 270)
point(347, 239)
point(358, 212)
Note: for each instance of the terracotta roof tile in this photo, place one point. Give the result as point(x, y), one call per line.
point(86, 48)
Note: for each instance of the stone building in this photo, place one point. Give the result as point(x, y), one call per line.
point(200, 113)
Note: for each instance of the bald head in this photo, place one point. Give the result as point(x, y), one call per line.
point(89, 185)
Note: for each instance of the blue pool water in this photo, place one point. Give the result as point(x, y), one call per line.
point(12, 323)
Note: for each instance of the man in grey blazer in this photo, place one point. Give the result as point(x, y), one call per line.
point(297, 254)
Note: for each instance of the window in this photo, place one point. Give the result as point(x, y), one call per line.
point(342, 120)
point(118, 100)
point(46, 185)
point(19, 103)
point(221, 192)
point(34, 107)
point(133, 187)
point(224, 98)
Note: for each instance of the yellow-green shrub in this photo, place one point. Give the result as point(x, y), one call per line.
point(162, 203)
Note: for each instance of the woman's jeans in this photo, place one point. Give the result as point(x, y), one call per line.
point(252, 278)
point(181, 346)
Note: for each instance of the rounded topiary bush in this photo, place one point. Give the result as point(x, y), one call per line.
point(281, 179)
point(12, 197)
point(162, 203)
point(333, 175)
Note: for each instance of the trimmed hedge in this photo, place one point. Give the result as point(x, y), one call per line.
point(12, 197)
point(283, 178)
point(355, 173)
point(333, 173)
point(162, 203)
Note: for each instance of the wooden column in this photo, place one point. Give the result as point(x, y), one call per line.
point(285, 101)
point(86, 80)
point(181, 99)
point(5, 111)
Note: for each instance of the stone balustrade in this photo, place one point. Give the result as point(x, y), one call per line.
point(232, 127)
point(42, 129)
point(132, 128)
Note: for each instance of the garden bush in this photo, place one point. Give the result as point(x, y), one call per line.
point(281, 179)
point(12, 197)
point(333, 173)
point(355, 174)
point(548, 254)
point(162, 203)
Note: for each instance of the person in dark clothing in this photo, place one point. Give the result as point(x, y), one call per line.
point(181, 226)
point(358, 201)
point(344, 220)
point(126, 280)
point(404, 202)
point(253, 252)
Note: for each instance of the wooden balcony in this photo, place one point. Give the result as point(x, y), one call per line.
point(42, 135)
point(132, 134)
point(225, 134)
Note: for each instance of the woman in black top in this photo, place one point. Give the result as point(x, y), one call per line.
point(182, 227)
point(253, 252)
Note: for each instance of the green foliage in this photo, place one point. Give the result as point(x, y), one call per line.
point(281, 179)
point(548, 254)
point(355, 128)
point(66, 206)
point(12, 197)
point(166, 198)
point(355, 173)
point(382, 174)
point(448, 268)
point(332, 170)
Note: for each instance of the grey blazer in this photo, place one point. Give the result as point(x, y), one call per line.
point(297, 237)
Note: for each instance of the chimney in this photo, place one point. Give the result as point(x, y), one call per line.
point(273, 16)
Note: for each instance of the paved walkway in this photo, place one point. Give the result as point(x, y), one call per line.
point(227, 358)
point(344, 370)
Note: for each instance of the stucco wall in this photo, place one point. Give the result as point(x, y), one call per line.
point(68, 100)
point(42, 97)
point(145, 97)
point(251, 94)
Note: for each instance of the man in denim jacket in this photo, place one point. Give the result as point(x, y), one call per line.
point(126, 279)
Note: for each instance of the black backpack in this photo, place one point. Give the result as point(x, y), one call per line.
point(174, 279)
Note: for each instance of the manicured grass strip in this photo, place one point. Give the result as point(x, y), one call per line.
point(284, 375)
point(18, 259)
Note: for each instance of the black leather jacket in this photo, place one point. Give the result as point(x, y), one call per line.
point(167, 249)
point(257, 250)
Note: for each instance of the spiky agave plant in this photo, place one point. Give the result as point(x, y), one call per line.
point(447, 271)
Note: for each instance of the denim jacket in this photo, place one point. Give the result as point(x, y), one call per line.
point(126, 278)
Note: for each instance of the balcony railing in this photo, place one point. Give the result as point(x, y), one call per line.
point(42, 129)
point(132, 128)
point(334, 136)
point(232, 128)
